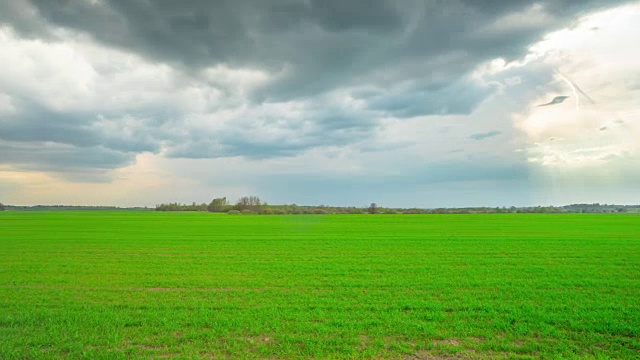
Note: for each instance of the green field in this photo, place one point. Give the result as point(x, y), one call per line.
point(198, 285)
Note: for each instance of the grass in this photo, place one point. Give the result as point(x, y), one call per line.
point(196, 285)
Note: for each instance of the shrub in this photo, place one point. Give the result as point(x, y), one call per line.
point(233, 212)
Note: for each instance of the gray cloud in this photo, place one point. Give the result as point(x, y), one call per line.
point(395, 58)
point(486, 135)
point(79, 164)
point(264, 135)
point(324, 44)
point(460, 98)
point(37, 123)
point(78, 145)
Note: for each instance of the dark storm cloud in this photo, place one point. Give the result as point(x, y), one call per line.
point(36, 123)
point(399, 58)
point(323, 44)
point(79, 146)
point(202, 32)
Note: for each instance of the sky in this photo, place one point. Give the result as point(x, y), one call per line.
point(407, 103)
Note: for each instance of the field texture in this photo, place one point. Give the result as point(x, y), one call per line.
point(198, 285)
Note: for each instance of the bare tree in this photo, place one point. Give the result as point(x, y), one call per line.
point(252, 203)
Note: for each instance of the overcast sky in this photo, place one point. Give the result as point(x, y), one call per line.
point(405, 103)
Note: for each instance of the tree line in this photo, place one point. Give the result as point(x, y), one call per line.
point(254, 205)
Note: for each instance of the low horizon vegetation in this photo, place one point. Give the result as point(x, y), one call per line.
point(245, 207)
point(249, 205)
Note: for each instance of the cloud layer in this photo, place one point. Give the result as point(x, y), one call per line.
point(88, 87)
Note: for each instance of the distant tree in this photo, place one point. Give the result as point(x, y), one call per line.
point(2, 208)
point(252, 203)
point(373, 208)
point(181, 207)
point(218, 205)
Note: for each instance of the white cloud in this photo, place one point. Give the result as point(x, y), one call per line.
point(592, 64)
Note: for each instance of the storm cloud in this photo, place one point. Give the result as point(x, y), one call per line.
point(414, 58)
point(89, 85)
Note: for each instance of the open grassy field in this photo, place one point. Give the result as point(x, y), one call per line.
point(198, 285)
